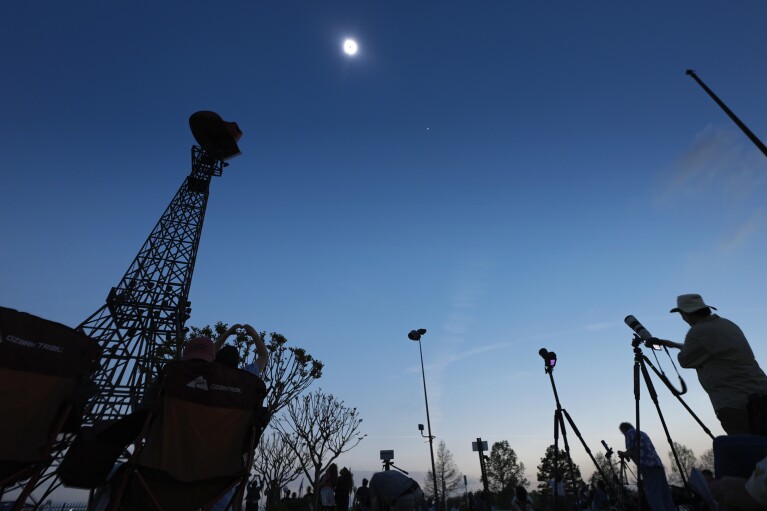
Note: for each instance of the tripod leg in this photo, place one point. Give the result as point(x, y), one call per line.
point(654, 396)
point(637, 390)
point(677, 396)
point(583, 442)
point(573, 481)
point(555, 489)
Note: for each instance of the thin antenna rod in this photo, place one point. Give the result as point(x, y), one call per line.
point(729, 112)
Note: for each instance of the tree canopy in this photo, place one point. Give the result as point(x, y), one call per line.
point(546, 472)
point(686, 458)
point(504, 470)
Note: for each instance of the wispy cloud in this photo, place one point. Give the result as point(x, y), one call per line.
point(717, 158)
point(744, 232)
point(451, 358)
point(470, 287)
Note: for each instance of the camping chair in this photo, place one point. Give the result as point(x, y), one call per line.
point(737, 455)
point(44, 367)
point(197, 442)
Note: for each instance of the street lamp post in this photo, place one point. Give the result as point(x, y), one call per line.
point(415, 335)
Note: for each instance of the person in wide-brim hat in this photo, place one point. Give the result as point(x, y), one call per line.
point(727, 370)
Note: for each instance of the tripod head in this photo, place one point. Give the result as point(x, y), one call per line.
point(389, 464)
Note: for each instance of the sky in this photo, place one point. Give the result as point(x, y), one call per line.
point(509, 175)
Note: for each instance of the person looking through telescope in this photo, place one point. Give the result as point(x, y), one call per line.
point(656, 490)
point(727, 370)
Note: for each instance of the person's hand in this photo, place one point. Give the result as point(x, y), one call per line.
point(233, 329)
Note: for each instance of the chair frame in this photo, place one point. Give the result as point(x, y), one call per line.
point(35, 469)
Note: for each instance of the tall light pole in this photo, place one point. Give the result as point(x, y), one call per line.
point(415, 335)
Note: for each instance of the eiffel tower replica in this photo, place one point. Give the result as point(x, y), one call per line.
point(148, 309)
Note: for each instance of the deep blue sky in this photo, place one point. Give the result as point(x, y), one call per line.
point(509, 175)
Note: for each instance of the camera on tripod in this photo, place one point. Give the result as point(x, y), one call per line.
point(549, 357)
point(608, 450)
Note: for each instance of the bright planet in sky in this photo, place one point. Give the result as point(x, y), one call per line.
point(350, 46)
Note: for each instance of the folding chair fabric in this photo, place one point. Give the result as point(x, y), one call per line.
point(737, 455)
point(31, 403)
point(203, 420)
point(199, 440)
point(42, 364)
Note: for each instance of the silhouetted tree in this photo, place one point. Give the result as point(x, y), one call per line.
point(275, 462)
point(686, 458)
point(504, 473)
point(319, 428)
point(604, 464)
point(504, 468)
point(706, 460)
point(546, 472)
point(449, 478)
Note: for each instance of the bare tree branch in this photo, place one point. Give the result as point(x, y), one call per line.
point(319, 428)
point(275, 462)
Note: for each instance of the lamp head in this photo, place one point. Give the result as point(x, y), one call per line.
point(415, 335)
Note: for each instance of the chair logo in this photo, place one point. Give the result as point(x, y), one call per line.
point(198, 383)
point(32, 344)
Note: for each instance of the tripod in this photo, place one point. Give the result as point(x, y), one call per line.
point(559, 423)
point(640, 365)
point(617, 482)
point(624, 478)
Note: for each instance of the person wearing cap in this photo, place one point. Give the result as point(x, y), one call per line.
point(199, 348)
point(718, 350)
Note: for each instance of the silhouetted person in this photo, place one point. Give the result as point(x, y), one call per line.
point(656, 490)
point(600, 500)
point(362, 496)
point(254, 494)
point(343, 489)
point(736, 493)
point(394, 491)
point(328, 487)
point(727, 370)
point(308, 499)
point(227, 353)
point(521, 500)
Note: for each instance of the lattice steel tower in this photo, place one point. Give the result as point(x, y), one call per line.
point(150, 304)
